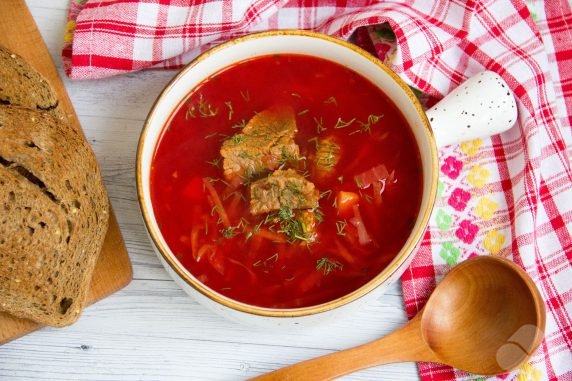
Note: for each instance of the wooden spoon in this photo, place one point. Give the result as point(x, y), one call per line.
point(485, 317)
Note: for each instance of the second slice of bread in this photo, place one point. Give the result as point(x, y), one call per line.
point(21, 85)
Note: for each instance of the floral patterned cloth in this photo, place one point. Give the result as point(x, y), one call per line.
point(510, 195)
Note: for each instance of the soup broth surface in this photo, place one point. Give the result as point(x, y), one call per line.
point(354, 148)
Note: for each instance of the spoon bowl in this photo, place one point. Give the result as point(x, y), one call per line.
point(485, 317)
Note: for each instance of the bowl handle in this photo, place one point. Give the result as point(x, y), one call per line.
point(480, 107)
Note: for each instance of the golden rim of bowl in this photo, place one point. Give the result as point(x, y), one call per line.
point(385, 274)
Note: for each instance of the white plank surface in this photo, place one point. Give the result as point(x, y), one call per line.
point(151, 330)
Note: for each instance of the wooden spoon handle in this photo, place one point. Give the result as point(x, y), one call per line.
point(405, 344)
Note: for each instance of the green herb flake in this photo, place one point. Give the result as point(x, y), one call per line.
point(342, 124)
point(331, 100)
point(319, 125)
point(245, 95)
point(237, 138)
point(204, 109)
point(326, 194)
point(215, 163)
point(273, 258)
point(303, 112)
point(326, 265)
point(318, 215)
point(240, 124)
point(230, 110)
point(366, 126)
point(358, 182)
point(341, 226)
point(229, 232)
point(288, 224)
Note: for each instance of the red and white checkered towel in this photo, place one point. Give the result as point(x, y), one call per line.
point(510, 195)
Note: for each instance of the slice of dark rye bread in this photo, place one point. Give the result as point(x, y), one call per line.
point(21, 85)
point(53, 217)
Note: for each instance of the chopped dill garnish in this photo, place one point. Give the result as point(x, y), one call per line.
point(288, 157)
point(358, 182)
point(270, 260)
point(229, 232)
point(318, 215)
point(237, 138)
point(366, 126)
point(244, 155)
point(229, 195)
point(230, 110)
point(319, 125)
point(341, 124)
point(341, 226)
point(288, 224)
point(240, 124)
point(243, 223)
point(213, 210)
point(204, 109)
point(331, 100)
point(313, 140)
point(341, 179)
point(296, 95)
point(305, 111)
point(223, 137)
point(211, 135)
point(245, 95)
point(215, 179)
point(368, 198)
point(273, 258)
point(327, 265)
point(255, 230)
point(326, 194)
point(215, 163)
point(335, 203)
point(306, 174)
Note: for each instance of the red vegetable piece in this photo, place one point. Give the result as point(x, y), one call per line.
point(377, 173)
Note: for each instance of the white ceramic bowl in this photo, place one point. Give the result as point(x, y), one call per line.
point(486, 86)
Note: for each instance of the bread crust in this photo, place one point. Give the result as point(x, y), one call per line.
point(21, 85)
point(54, 216)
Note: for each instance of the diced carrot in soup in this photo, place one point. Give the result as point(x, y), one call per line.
point(346, 202)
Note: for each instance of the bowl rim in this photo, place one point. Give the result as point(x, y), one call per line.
point(402, 257)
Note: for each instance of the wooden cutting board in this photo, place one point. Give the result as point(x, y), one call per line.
point(18, 32)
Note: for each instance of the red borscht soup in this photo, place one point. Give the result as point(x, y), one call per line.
point(286, 181)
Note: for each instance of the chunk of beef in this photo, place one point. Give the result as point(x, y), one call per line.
point(283, 188)
point(264, 143)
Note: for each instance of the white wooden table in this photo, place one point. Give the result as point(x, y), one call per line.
point(152, 330)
